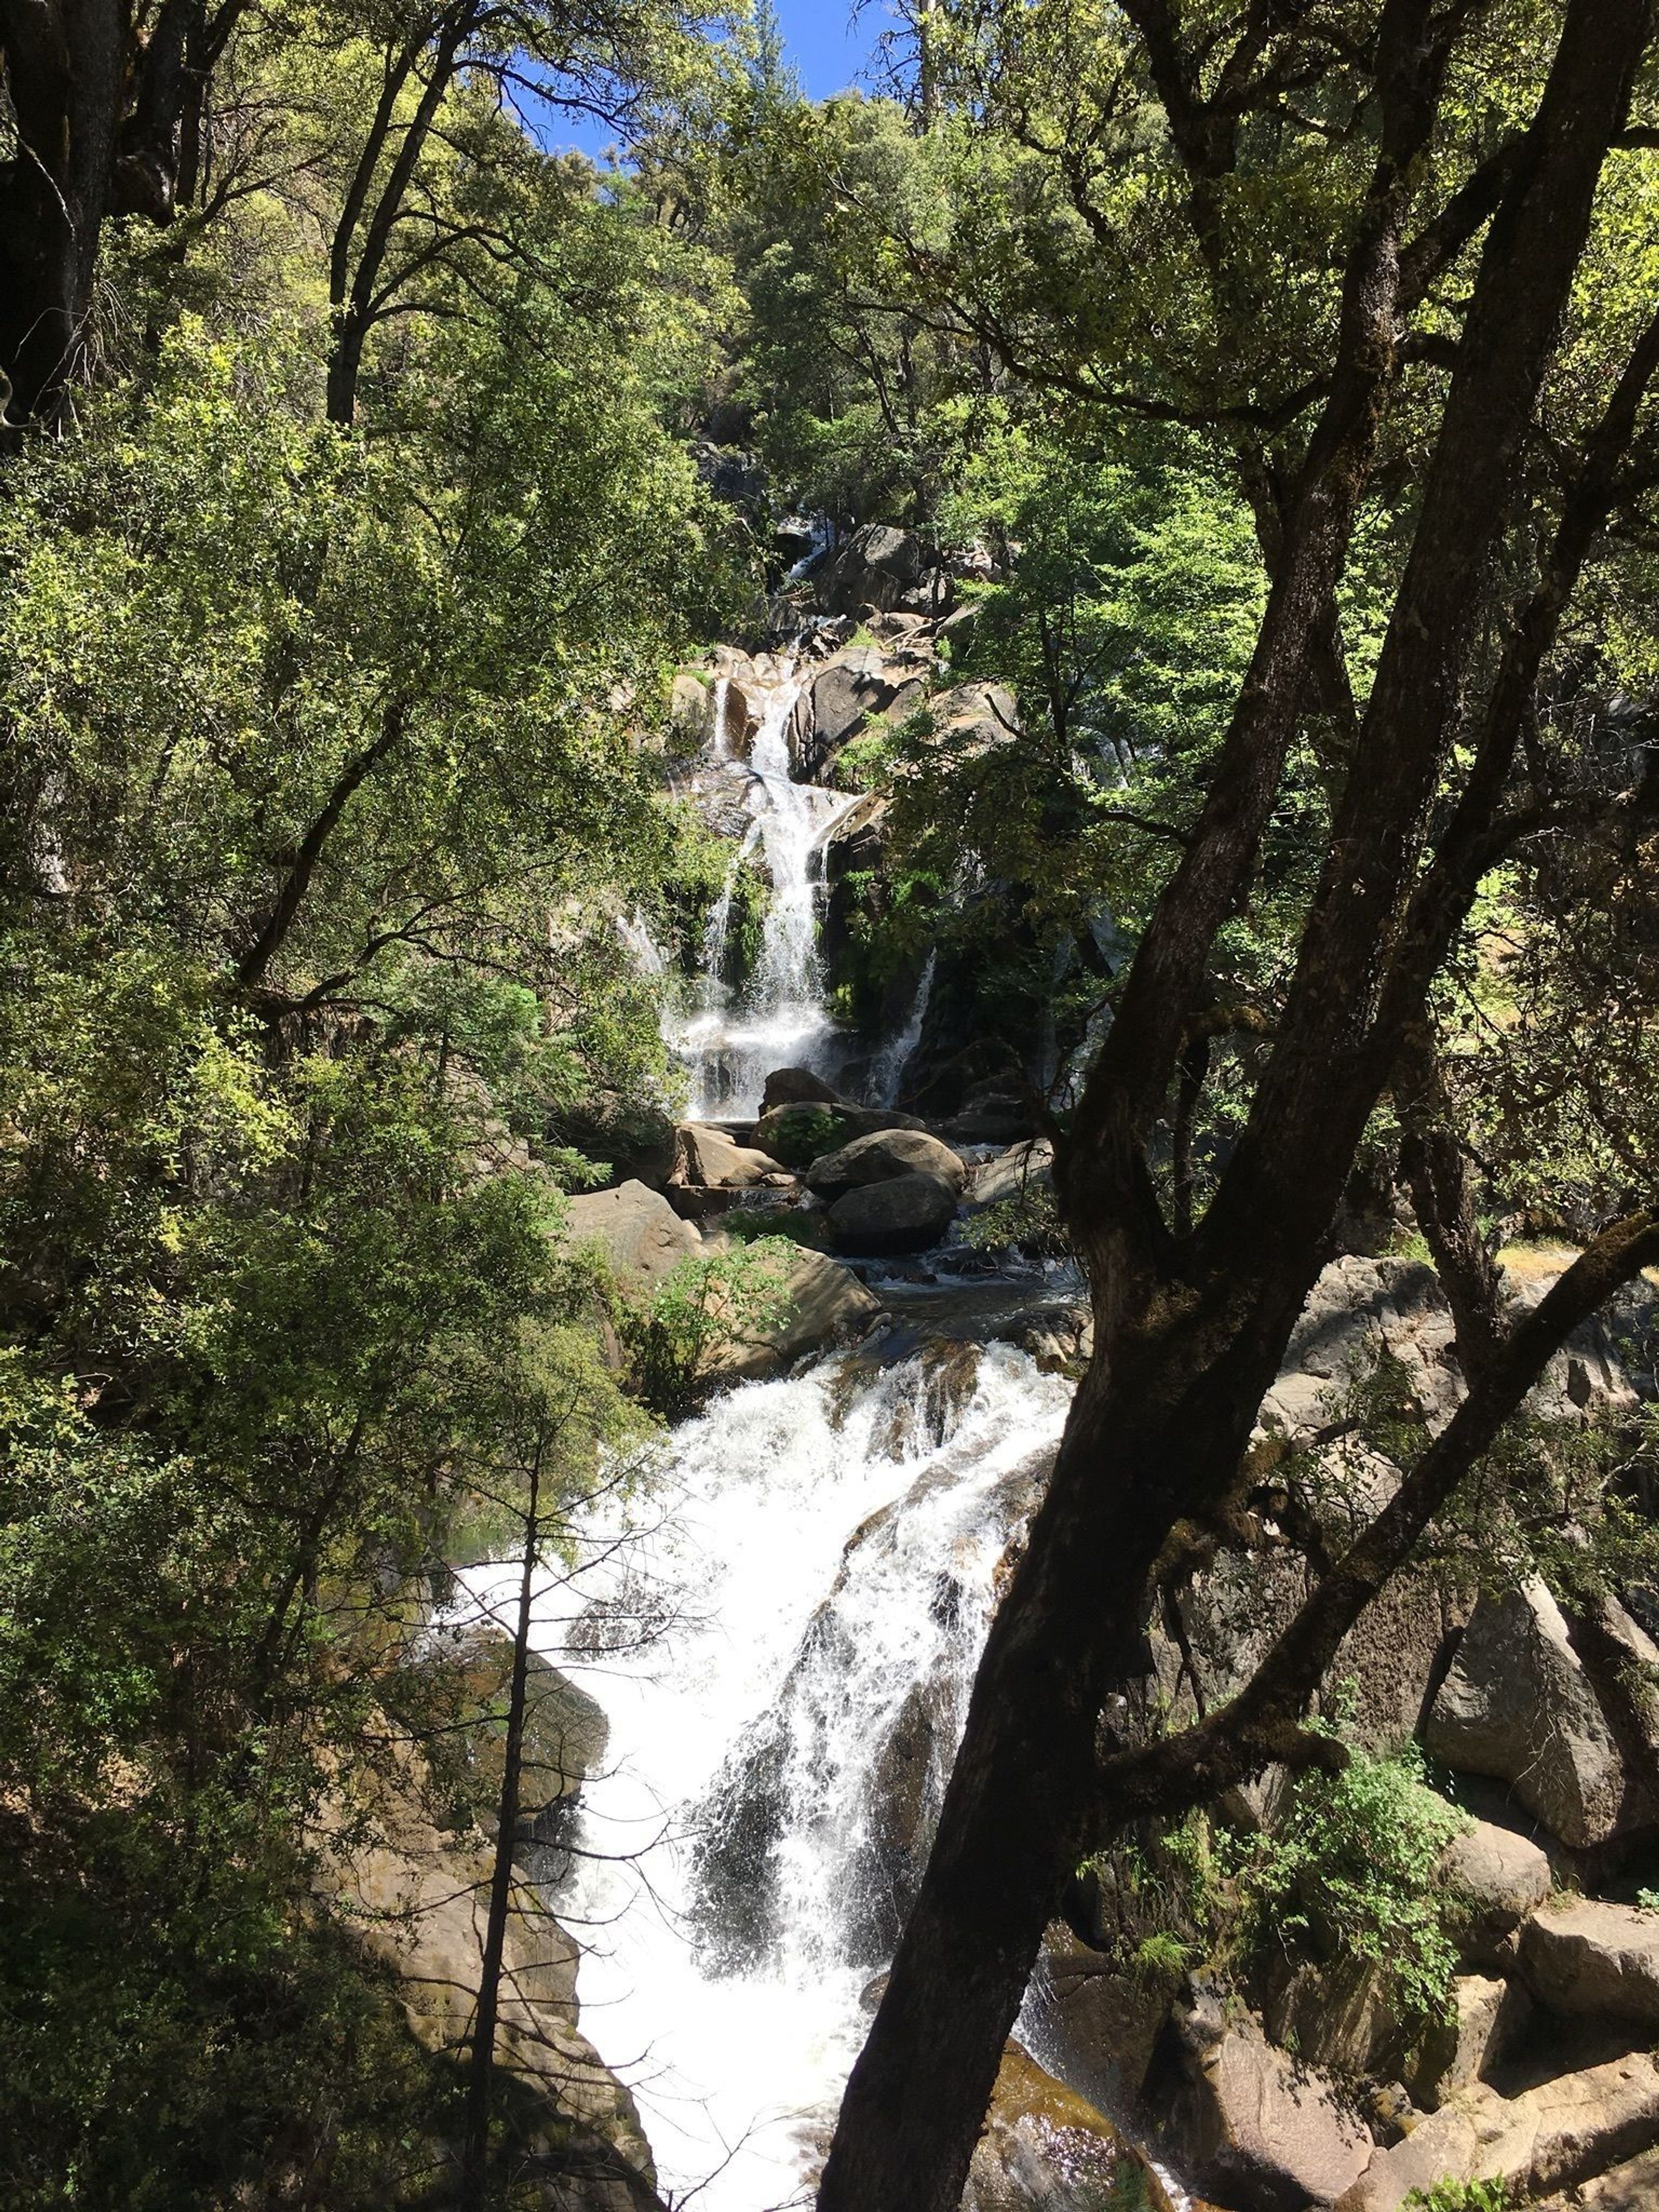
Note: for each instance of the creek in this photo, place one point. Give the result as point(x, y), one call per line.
point(782, 1626)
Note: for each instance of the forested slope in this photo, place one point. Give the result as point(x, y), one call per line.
point(1211, 452)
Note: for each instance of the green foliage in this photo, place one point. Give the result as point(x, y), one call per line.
point(748, 1225)
point(805, 1133)
point(1353, 1867)
point(1162, 1957)
point(1347, 1868)
point(328, 761)
point(1027, 1223)
point(1559, 1498)
point(702, 1309)
point(1461, 2197)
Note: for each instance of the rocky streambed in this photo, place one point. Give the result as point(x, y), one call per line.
point(782, 1637)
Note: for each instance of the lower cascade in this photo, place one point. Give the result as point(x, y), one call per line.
point(783, 1642)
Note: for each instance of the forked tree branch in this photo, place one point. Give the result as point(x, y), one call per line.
point(1264, 1721)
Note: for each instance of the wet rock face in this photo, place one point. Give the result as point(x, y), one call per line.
point(1098, 2025)
point(906, 1781)
point(856, 684)
point(735, 1914)
point(1046, 2149)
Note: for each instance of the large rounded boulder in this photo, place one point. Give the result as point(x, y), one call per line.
point(881, 1220)
point(798, 1086)
point(799, 1133)
point(641, 1237)
point(883, 1157)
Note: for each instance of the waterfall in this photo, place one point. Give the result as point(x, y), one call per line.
point(722, 750)
point(822, 536)
point(887, 1073)
point(784, 1647)
point(782, 1020)
point(641, 947)
point(718, 929)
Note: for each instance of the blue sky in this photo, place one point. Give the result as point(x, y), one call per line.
point(825, 46)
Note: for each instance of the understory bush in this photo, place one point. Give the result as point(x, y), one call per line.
point(802, 1138)
point(1352, 1868)
point(674, 1338)
point(1027, 1223)
point(1461, 2197)
point(1349, 1869)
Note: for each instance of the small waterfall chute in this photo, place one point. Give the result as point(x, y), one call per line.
point(887, 1074)
point(731, 1041)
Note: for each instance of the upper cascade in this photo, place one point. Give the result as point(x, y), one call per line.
point(730, 1040)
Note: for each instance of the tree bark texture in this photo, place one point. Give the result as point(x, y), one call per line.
point(475, 2165)
point(100, 118)
point(65, 66)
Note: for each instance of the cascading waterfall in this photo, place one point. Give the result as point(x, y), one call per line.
point(784, 1653)
point(783, 1020)
point(888, 1073)
point(717, 931)
point(720, 739)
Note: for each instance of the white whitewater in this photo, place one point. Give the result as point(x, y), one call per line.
point(887, 1076)
point(782, 1020)
point(733, 1906)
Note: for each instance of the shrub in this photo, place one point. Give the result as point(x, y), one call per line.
point(1028, 1222)
point(1162, 1957)
point(1461, 2197)
point(1356, 1860)
point(804, 1135)
point(674, 1338)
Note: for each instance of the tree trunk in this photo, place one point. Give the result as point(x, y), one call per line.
point(1024, 1796)
point(65, 69)
point(1189, 1336)
point(101, 131)
point(475, 2168)
point(357, 303)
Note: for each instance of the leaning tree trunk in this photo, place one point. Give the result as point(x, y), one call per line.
point(65, 70)
point(475, 2157)
point(1189, 1338)
point(1022, 1803)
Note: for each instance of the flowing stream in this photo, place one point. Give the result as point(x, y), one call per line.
point(783, 1630)
point(783, 1641)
